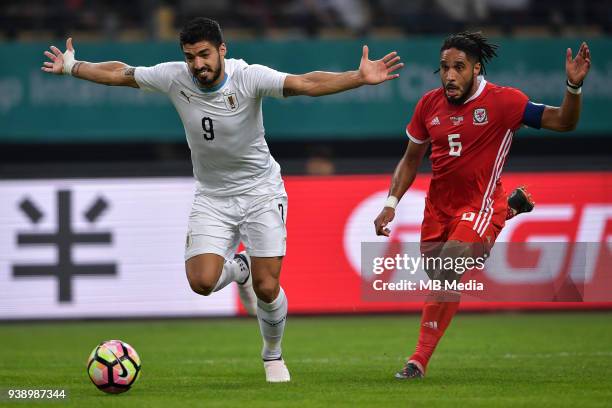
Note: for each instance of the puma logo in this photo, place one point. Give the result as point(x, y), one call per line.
point(186, 97)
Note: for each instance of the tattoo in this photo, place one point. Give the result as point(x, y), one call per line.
point(289, 92)
point(129, 71)
point(75, 68)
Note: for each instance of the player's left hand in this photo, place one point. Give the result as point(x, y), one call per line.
point(375, 72)
point(578, 68)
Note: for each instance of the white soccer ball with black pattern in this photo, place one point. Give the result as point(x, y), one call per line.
point(113, 366)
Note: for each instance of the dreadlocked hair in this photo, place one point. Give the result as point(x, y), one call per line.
point(475, 45)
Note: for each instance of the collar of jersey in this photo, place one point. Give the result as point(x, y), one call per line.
point(481, 87)
point(214, 88)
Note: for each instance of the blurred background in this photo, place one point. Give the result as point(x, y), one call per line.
point(112, 159)
point(50, 120)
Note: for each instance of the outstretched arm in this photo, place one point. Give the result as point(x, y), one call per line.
point(107, 73)
point(565, 118)
point(325, 83)
point(403, 177)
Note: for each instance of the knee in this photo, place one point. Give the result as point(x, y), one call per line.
point(266, 289)
point(199, 282)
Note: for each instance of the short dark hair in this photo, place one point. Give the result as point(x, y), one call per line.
point(201, 29)
point(475, 45)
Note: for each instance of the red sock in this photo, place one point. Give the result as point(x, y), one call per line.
point(435, 319)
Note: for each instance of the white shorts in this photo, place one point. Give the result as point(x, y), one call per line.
point(257, 218)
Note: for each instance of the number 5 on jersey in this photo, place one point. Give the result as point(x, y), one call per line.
point(209, 130)
point(454, 145)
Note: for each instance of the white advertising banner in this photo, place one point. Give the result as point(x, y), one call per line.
point(103, 248)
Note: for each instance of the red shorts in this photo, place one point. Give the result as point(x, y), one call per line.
point(481, 228)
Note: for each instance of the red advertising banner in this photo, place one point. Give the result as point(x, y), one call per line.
point(330, 217)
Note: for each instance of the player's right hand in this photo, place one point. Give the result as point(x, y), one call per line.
point(56, 66)
point(385, 217)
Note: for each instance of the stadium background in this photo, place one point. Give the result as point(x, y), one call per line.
point(103, 174)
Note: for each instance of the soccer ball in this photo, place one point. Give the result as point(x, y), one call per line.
point(113, 366)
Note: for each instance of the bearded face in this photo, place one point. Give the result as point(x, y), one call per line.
point(205, 62)
point(457, 74)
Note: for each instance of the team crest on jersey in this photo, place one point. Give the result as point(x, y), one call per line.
point(231, 101)
point(480, 116)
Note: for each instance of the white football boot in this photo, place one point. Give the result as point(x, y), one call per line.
point(245, 289)
point(276, 371)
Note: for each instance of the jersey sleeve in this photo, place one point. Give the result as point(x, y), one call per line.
point(515, 102)
point(264, 81)
point(416, 130)
point(156, 78)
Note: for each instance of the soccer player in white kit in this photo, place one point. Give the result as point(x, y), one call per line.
point(240, 194)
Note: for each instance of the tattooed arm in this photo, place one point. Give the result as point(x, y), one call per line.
point(113, 73)
point(108, 73)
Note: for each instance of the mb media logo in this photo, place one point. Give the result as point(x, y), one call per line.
point(64, 239)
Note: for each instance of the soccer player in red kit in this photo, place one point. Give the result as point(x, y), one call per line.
point(469, 124)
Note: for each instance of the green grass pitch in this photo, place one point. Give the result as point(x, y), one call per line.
point(491, 360)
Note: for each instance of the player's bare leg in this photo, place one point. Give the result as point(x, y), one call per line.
point(208, 273)
point(203, 272)
point(438, 311)
point(272, 315)
point(519, 201)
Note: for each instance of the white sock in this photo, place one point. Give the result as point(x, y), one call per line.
point(233, 271)
point(272, 318)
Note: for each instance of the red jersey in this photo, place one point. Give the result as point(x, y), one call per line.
point(469, 145)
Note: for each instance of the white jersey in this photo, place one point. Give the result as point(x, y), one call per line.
point(224, 126)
